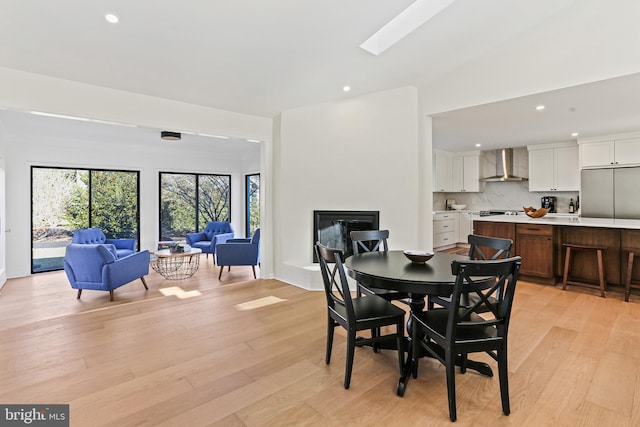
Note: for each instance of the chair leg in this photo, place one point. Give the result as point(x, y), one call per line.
point(220, 275)
point(144, 282)
point(330, 328)
point(451, 383)
point(463, 363)
point(375, 333)
point(567, 264)
point(351, 348)
point(79, 293)
point(503, 373)
point(416, 347)
point(601, 275)
point(401, 349)
point(254, 271)
point(111, 295)
point(627, 286)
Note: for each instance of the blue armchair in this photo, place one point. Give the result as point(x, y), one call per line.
point(96, 267)
point(214, 233)
point(94, 236)
point(239, 252)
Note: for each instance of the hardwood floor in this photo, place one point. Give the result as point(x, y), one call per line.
point(152, 360)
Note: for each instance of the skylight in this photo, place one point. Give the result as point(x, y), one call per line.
point(404, 24)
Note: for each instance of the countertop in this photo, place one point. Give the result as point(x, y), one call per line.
point(563, 219)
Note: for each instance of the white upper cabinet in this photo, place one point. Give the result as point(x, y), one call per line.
point(456, 172)
point(615, 152)
point(442, 172)
point(466, 172)
point(554, 167)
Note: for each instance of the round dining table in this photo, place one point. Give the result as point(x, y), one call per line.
point(392, 270)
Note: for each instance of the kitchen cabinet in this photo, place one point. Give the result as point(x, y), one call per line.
point(554, 167)
point(442, 171)
point(456, 172)
point(536, 245)
point(445, 229)
point(465, 226)
point(617, 152)
point(466, 173)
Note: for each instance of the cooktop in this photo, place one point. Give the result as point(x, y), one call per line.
point(498, 212)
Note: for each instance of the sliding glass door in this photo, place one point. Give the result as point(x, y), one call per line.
point(64, 200)
point(189, 201)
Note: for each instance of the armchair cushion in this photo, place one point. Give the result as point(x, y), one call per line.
point(92, 236)
point(95, 266)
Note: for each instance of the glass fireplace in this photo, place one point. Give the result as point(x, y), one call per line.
point(332, 228)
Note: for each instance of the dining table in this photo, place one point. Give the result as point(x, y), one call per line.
point(392, 270)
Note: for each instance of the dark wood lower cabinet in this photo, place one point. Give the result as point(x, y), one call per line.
point(537, 245)
point(540, 247)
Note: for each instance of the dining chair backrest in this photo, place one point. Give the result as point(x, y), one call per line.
point(471, 278)
point(483, 247)
point(369, 241)
point(336, 287)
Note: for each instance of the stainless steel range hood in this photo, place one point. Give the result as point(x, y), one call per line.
point(504, 168)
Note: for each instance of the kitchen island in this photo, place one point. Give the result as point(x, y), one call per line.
point(539, 242)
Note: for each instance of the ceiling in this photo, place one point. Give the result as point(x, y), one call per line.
point(263, 57)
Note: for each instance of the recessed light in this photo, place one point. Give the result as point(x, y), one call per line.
point(575, 134)
point(346, 88)
point(253, 140)
point(111, 18)
point(478, 145)
point(540, 107)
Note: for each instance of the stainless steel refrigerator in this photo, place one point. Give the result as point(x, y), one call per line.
point(610, 193)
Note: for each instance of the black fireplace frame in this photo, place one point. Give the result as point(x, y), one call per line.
point(370, 217)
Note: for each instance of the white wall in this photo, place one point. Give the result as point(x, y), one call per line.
point(358, 154)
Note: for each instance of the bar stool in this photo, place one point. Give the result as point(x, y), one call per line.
point(567, 265)
point(629, 283)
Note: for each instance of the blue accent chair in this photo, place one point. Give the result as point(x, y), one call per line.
point(214, 233)
point(239, 252)
point(97, 267)
point(94, 236)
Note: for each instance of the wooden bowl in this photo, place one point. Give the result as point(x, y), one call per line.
point(535, 213)
point(418, 257)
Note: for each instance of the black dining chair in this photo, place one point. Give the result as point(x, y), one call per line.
point(451, 333)
point(371, 241)
point(480, 248)
point(483, 247)
point(355, 313)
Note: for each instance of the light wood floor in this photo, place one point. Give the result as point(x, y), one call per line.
point(153, 360)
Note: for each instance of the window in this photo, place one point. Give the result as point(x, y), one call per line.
point(64, 200)
point(252, 203)
point(189, 201)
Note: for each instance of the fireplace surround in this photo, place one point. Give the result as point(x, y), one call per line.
point(332, 228)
